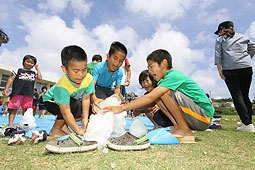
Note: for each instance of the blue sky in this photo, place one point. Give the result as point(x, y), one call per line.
point(183, 27)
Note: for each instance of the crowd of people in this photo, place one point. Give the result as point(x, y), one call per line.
point(171, 98)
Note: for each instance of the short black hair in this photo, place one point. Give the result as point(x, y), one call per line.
point(97, 57)
point(143, 76)
point(74, 53)
point(117, 46)
point(3, 37)
point(44, 87)
point(159, 55)
point(29, 57)
point(35, 89)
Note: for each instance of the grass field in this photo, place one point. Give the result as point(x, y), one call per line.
point(219, 149)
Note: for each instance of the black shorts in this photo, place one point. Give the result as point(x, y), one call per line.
point(53, 108)
point(103, 92)
point(161, 119)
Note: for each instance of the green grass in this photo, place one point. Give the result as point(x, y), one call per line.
point(219, 149)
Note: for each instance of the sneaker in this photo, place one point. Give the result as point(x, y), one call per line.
point(71, 143)
point(239, 124)
point(246, 128)
point(128, 141)
point(39, 136)
point(17, 137)
point(215, 126)
point(9, 131)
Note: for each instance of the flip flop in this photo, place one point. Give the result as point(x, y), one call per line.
point(50, 138)
point(72, 143)
point(187, 139)
point(129, 142)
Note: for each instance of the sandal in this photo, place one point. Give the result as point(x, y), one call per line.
point(72, 143)
point(187, 139)
point(129, 142)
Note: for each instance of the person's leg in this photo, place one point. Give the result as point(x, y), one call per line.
point(34, 110)
point(56, 129)
point(12, 114)
point(43, 113)
point(233, 83)
point(161, 119)
point(13, 106)
point(173, 111)
point(165, 111)
point(245, 88)
point(150, 116)
point(40, 114)
point(65, 128)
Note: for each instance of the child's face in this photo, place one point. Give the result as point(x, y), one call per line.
point(115, 60)
point(77, 71)
point(147, 84)
point(155, 70)
point(28, 64)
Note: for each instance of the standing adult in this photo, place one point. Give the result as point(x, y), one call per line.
point(233, 53)
point(3, 37)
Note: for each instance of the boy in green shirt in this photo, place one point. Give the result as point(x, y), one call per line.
point(179, 97)
point(95, 59)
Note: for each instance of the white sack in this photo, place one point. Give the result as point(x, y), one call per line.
point(102, 126)
point(28, 119)
point(138, 128)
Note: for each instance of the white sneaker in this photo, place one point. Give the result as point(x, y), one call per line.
point(16, 137)
point(239, 124)
point(246, 128)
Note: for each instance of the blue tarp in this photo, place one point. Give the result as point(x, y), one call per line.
point(48, 121)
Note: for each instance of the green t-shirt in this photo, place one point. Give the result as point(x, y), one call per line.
point(90, 67)
point(176, 80)
point(64, 89)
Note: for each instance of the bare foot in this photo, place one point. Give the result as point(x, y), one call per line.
point(181, 132)
point(10, 125)
point(66, 130)
point(56, 132)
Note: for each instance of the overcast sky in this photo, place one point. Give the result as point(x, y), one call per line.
point(183, 27)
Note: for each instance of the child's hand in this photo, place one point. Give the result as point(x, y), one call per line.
point(127, 83)
point(114, 109)
point(5, 92)
point(36, 66)
point(153, 109)
point(135, 113)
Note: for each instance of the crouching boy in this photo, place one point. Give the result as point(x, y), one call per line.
point(62, 99)
point(66, 104)
point(179, 97)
